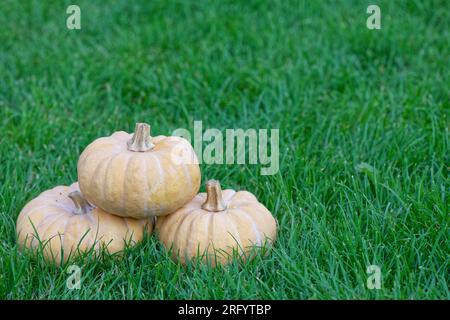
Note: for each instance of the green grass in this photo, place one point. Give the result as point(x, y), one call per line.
point(364, 136)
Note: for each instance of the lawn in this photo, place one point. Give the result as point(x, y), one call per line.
point(363, 119)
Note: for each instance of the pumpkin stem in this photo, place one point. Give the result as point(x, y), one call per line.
point(81, 204)
point(141, 140)
point(214, 201)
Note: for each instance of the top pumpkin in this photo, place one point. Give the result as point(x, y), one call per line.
point(136, 175)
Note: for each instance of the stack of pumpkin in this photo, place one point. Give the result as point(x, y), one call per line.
point(130, 184)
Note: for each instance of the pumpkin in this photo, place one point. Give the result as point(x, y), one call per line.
point(61, 220)
point(136, 175)
point(216, 224)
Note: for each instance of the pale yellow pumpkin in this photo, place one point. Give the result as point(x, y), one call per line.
point(63, 224)
point(215, 225)
point(136, 175)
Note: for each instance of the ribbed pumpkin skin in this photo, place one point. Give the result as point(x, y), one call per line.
point(138, 184)
point(190, 231)
point(52, 215)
